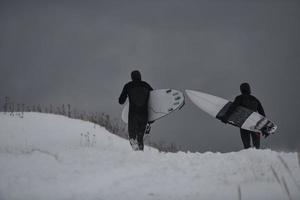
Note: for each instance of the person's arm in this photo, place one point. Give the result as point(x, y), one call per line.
point(148, 86)
point(150, 89)
point(232, 107)
point(123, 95)
point(237, 102)
point(260, 109)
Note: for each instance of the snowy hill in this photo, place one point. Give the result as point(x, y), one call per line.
point(52, 157)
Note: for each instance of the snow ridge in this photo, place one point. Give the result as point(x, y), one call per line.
point(45, 156)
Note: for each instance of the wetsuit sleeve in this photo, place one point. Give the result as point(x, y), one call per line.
point(237, 101)
point(148, 86)
point(260, 109)
point(123, 95)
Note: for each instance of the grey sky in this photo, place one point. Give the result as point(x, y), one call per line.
point(82, 53)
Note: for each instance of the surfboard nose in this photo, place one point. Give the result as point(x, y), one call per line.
point(190, 93)
point(208, 103)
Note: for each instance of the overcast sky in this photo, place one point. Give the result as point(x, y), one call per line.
point(82, 53)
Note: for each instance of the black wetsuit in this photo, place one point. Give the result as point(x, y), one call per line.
point(138, 93)
point(249, 101)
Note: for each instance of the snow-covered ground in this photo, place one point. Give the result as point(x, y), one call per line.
point(45, 156)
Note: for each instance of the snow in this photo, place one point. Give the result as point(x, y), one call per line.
point(45, 156)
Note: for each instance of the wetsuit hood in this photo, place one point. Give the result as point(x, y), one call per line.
point(245, 88)
point(136, 75)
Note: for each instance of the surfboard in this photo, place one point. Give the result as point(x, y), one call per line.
point(161, 103)
point(241, 117)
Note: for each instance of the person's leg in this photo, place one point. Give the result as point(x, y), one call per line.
point(140, 139)
point(255, 139)
point(131, 127)
point(140, 135)
point(245, 135)
point(142, 123)
point(132, 131)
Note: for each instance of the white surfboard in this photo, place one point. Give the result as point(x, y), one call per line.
point(241, 117)
point(161, 103)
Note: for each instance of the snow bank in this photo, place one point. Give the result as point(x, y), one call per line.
point(45, 156)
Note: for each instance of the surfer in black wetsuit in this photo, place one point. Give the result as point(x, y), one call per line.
point(249, 101)
point(138, 93)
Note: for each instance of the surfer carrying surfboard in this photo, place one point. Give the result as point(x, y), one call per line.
point(249, 101)
point(137, 92)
